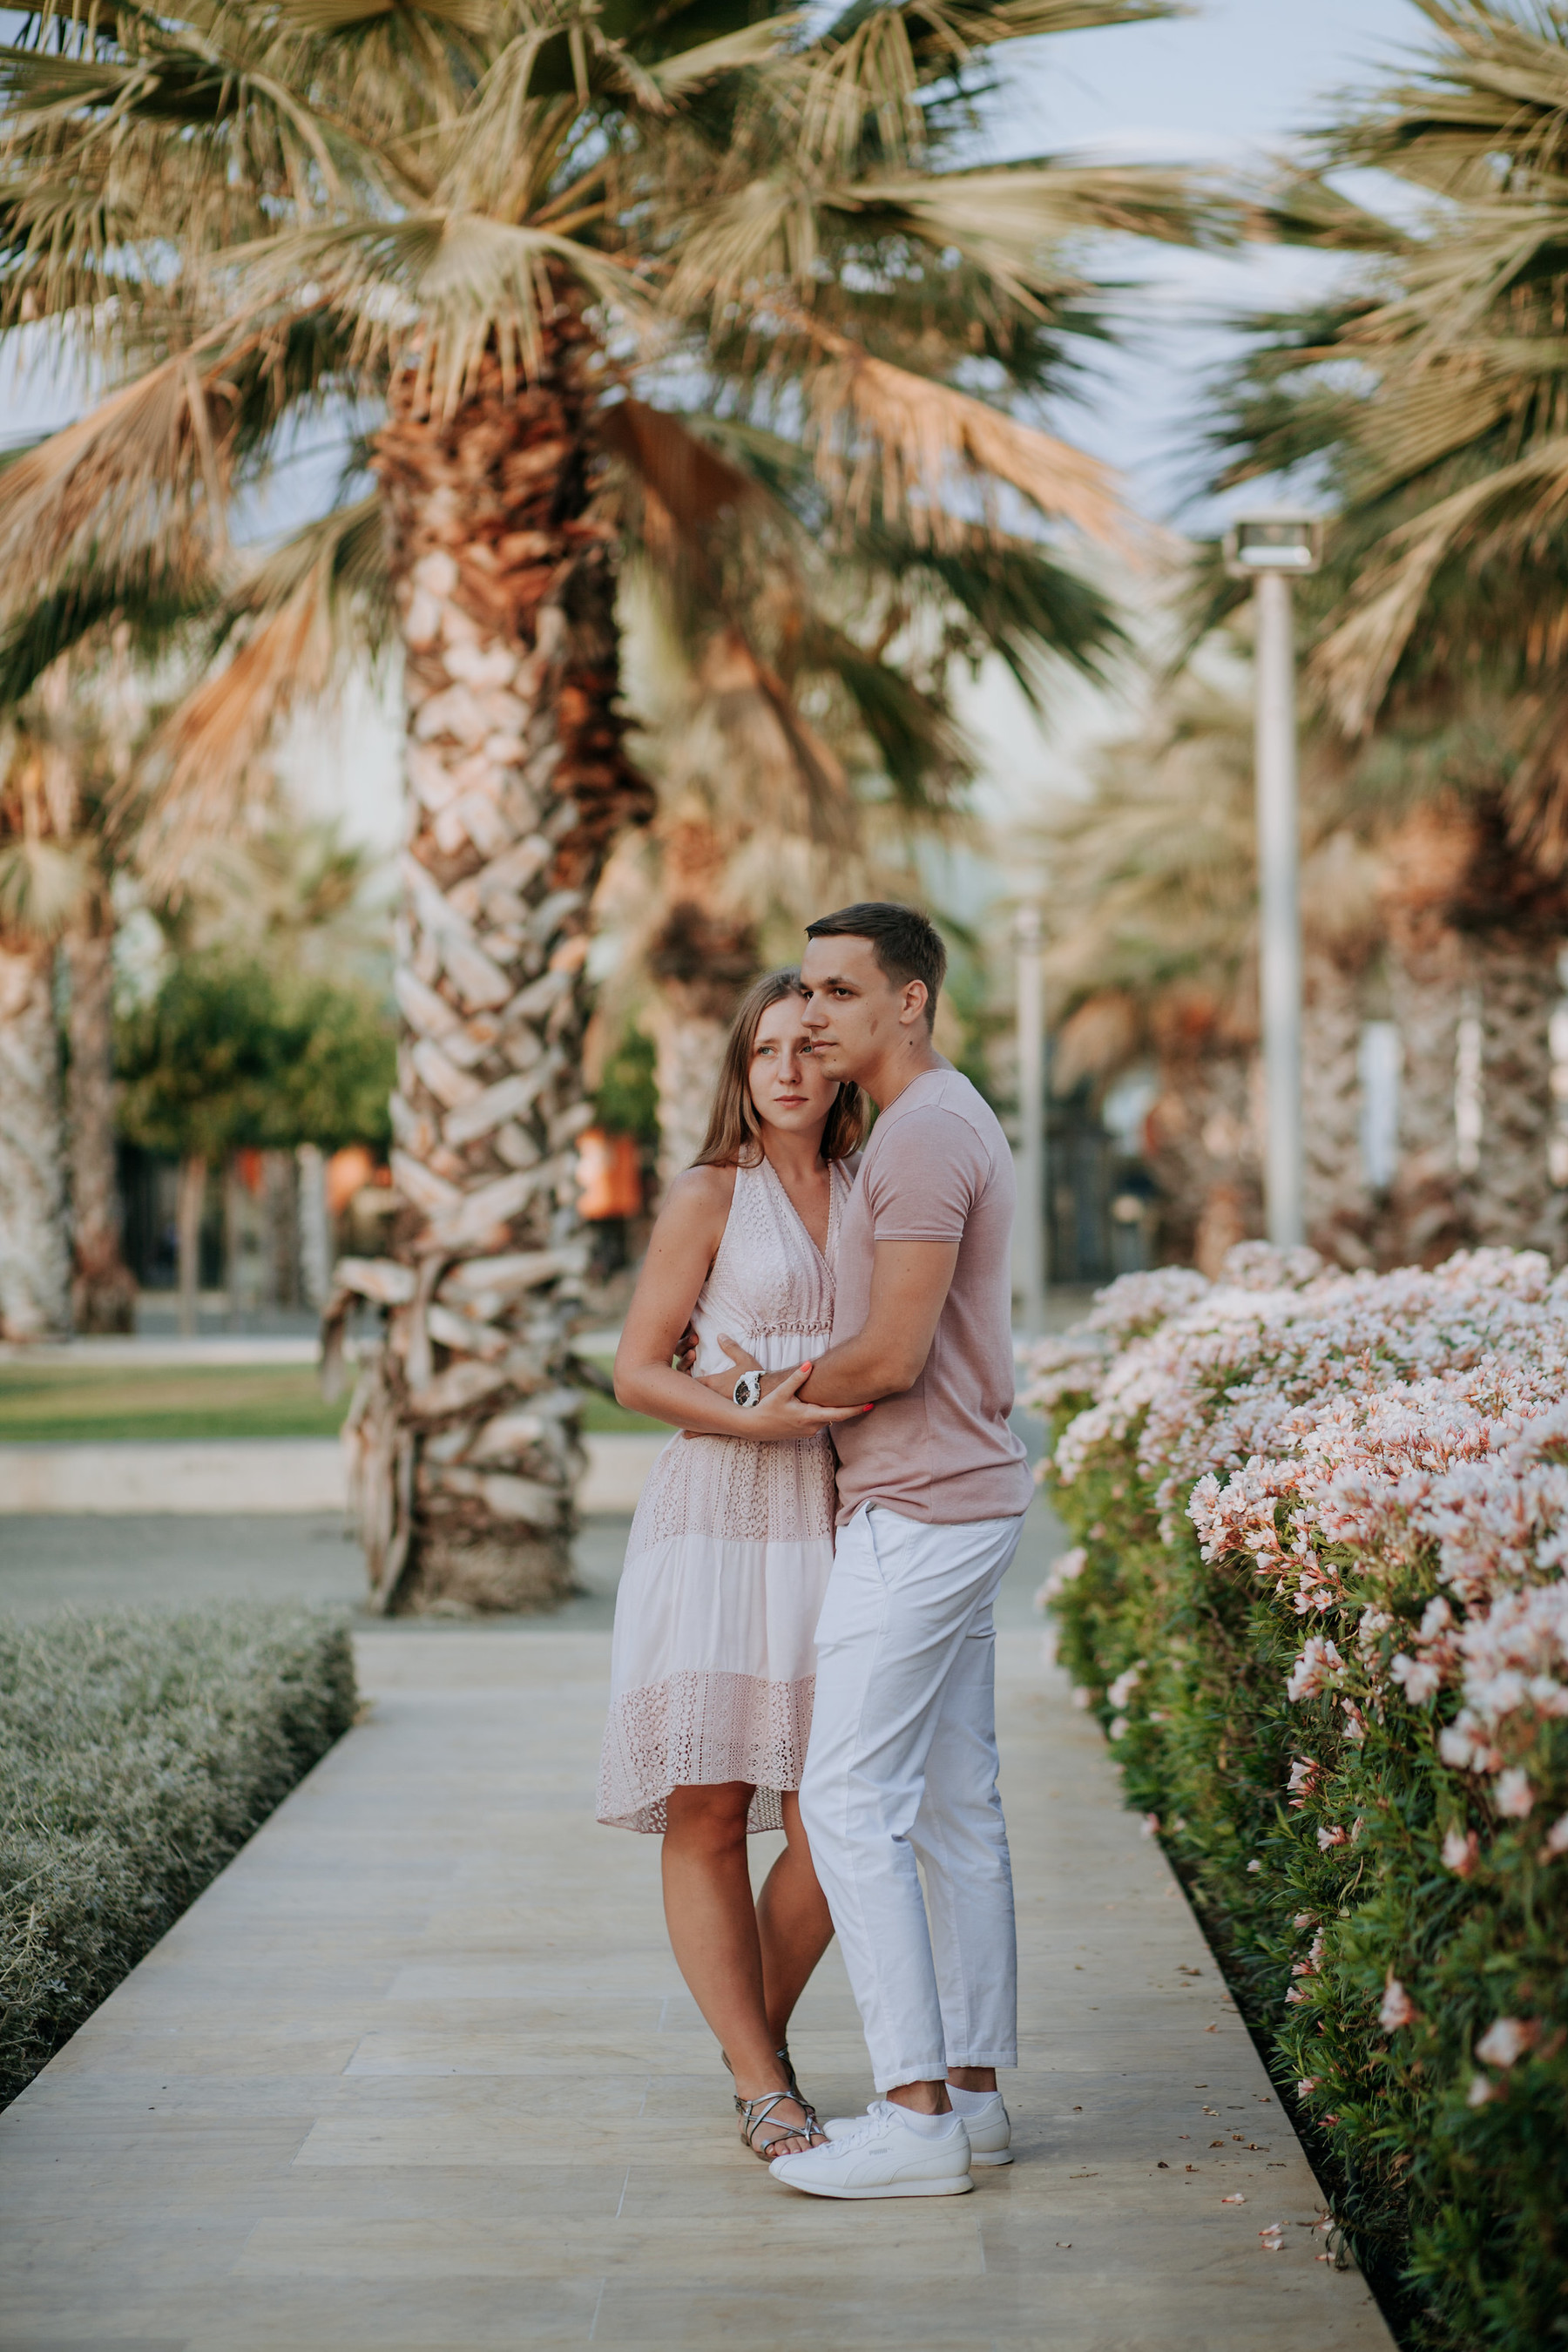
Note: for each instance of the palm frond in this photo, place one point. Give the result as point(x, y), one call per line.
point(684, 70)
point(910, 443)
point(1516, 506)
point(686, 483)
point(447, 285)
point(919, 749)
point(94, 496)
point(150, 602)
point(311, 606)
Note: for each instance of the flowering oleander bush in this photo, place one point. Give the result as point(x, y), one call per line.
point(1319, 1601)
point(137, 1753)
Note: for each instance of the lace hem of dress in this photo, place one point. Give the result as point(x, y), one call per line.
point(698, 1728)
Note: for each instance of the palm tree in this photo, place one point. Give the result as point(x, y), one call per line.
point(1153, 916)
point(1431, 398)
point(466, 229)
point(38, 881)
point(799, 754)
point(61, 845)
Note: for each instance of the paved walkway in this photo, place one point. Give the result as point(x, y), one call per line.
point(418, 2071)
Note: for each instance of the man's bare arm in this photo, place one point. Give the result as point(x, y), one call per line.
point(909, 1283)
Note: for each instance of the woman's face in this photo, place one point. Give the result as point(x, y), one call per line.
point(789, 1090)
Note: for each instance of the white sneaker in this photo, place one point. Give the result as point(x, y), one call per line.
point(879, 2154)
point(989, 2128)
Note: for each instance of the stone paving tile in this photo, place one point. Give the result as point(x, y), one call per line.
point(418, 2072)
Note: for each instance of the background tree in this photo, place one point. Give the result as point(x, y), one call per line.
point(55, 868)
point(476, 222)
point(1153, 949)
point(1428, 400)
point(223, 1056)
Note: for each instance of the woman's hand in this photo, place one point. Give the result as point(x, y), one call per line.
point(781, 1414)
point(723, 1383)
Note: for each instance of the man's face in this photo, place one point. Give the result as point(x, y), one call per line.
point(854, 1014)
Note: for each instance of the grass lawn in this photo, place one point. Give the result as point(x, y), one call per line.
point(42, 1403)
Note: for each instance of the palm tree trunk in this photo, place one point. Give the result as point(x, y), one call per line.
point(34, 1255)
point(1428, 1216)
point(688, 1048)
point(103, 1295)
point(189, 1203)
point(1340, 1212)
point(463, 1436)
point(1512, 1200)
point(1203, 1147)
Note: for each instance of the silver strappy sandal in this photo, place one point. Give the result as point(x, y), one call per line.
point(757, 2115)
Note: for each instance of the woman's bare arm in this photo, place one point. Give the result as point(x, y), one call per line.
point(685, 1240)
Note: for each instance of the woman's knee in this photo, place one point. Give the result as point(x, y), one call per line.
point(711, 1820)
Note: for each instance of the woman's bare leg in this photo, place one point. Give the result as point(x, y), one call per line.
point(793, 1924)
point(713, 1923)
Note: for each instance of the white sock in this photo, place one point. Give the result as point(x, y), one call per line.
point(934, 2127)
point(969, 2103)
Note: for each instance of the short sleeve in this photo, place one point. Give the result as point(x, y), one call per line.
point(925, 1181)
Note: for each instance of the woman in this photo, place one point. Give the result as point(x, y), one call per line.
point(713, 1663)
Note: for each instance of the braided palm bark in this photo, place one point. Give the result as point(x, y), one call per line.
point(463, 1433)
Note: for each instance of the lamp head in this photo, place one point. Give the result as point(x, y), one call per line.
point(1273, 538)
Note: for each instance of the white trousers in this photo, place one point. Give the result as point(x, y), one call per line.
point(901, 1771)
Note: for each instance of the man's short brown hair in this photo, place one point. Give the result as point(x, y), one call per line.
point(906, 943)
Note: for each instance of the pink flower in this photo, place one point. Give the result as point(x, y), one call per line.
point(1236, 2199)
point(1420, 1679)
point(1482, 2088)
point(1273, 2237)
point(1306, 2087)
point(1327, 1838)
point(1461, 1852)
point(1556, 1839)
point(1398, 2009)
point(1253, 1867)
point(1117, 1729)
point(1319, 1661)
point(1123, 1688)
point(1505, 2041)
point(1150, 1825)
point(1513, 1794)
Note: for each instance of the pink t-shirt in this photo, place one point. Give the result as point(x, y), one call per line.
point(937, 1169)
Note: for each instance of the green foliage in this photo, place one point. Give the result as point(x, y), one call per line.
point(226, 1055)
point(137, 1754)
point(626, 1100)
point(1458, 2212)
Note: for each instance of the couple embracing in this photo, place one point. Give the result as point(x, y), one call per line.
point(804, 1634)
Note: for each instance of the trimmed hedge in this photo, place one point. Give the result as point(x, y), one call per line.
point(138, 1752)
point(1318, 1601)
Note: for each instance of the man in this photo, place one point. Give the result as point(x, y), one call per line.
point(932, 1486)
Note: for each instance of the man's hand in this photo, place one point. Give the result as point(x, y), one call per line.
point(723, 1383)
point(686, 1349)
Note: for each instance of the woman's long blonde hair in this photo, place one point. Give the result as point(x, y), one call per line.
point(734, 1133)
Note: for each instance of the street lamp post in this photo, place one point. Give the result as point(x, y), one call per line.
point(1028, 934)
point(1267, 548)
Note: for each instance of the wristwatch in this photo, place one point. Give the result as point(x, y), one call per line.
point(748, 1389)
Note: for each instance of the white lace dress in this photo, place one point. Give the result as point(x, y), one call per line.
point(713, 1663)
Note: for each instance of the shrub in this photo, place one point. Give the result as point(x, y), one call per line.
point(1319, 1602)
point(137, 1754)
